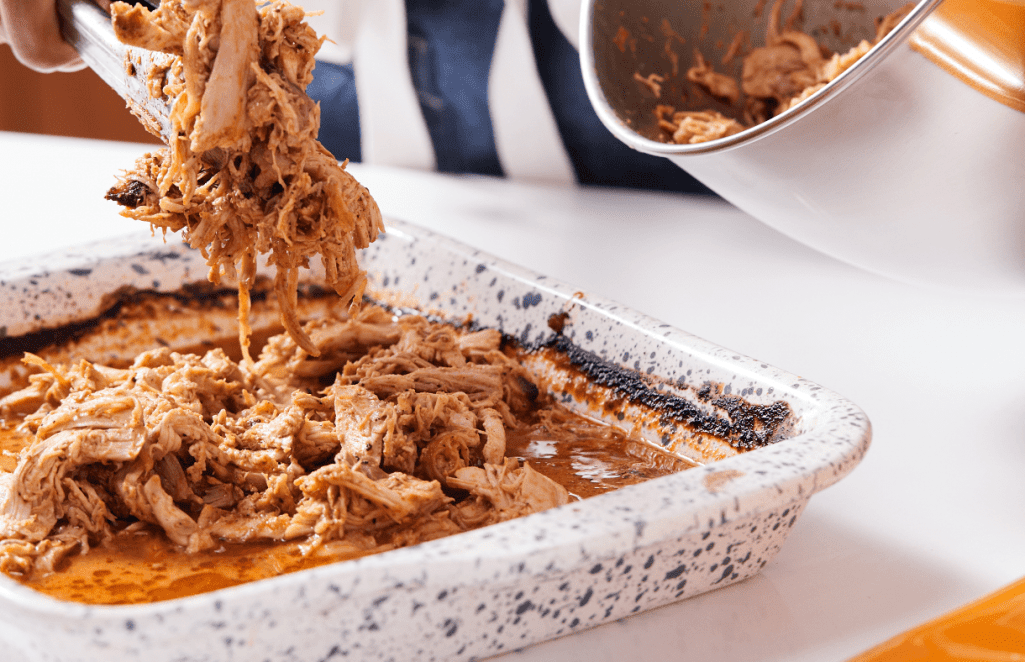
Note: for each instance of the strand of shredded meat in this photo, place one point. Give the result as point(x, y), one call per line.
point(774, 78)
point(244, 174)
point(393, 435)
point(695, 126)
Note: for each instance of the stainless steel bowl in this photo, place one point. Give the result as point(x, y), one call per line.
point(896, 166)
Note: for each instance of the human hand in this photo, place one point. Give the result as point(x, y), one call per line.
point(31, 29)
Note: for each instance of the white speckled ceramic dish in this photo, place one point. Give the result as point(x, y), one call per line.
point(495, 589)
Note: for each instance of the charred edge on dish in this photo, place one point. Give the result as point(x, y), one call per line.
point(189, 293)
point(113, 303)
point(745, 425)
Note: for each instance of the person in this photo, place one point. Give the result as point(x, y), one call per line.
point(30, 28)
point(470, 86)
point(489, 87)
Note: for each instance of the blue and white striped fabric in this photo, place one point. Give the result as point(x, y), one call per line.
point(469, 86)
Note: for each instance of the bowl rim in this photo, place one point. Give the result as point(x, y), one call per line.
point(608, 116)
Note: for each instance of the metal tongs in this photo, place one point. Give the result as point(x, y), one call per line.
point(125, 69)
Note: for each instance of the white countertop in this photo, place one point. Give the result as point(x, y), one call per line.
point(931, 519)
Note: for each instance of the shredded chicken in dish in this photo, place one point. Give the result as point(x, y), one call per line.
point(774, 78)
point(245, 175)
point(395, 434)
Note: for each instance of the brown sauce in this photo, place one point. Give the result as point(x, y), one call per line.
point(12, 441)
point(145, 566)
point(140, 566)
point(589, 458)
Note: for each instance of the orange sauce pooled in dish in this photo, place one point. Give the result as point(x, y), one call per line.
point(587, 458)
point(145, 566)
point(11, 442)
point(991, 629)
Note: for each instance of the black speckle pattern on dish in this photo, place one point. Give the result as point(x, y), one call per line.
point(487, 591)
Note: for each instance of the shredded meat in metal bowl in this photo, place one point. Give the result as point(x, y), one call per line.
point(244, 174)
point(774, 78)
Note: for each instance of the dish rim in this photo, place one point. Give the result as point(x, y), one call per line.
point(836, 439)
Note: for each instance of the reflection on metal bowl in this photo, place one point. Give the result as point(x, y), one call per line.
point(896, 166)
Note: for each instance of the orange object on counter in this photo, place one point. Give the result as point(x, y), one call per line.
point(991, 630)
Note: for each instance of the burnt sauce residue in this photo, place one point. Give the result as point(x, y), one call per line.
point(126, 303)
point(733, 419)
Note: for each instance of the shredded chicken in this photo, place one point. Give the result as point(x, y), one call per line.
point(651, 82)
point(691, 127)
point(718, 85)
point(244, 174)
point(790, 68)
point(394, 435)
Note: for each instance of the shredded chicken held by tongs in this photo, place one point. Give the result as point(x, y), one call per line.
point(244, 175)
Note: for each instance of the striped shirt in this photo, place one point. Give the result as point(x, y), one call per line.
point(469, 86)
